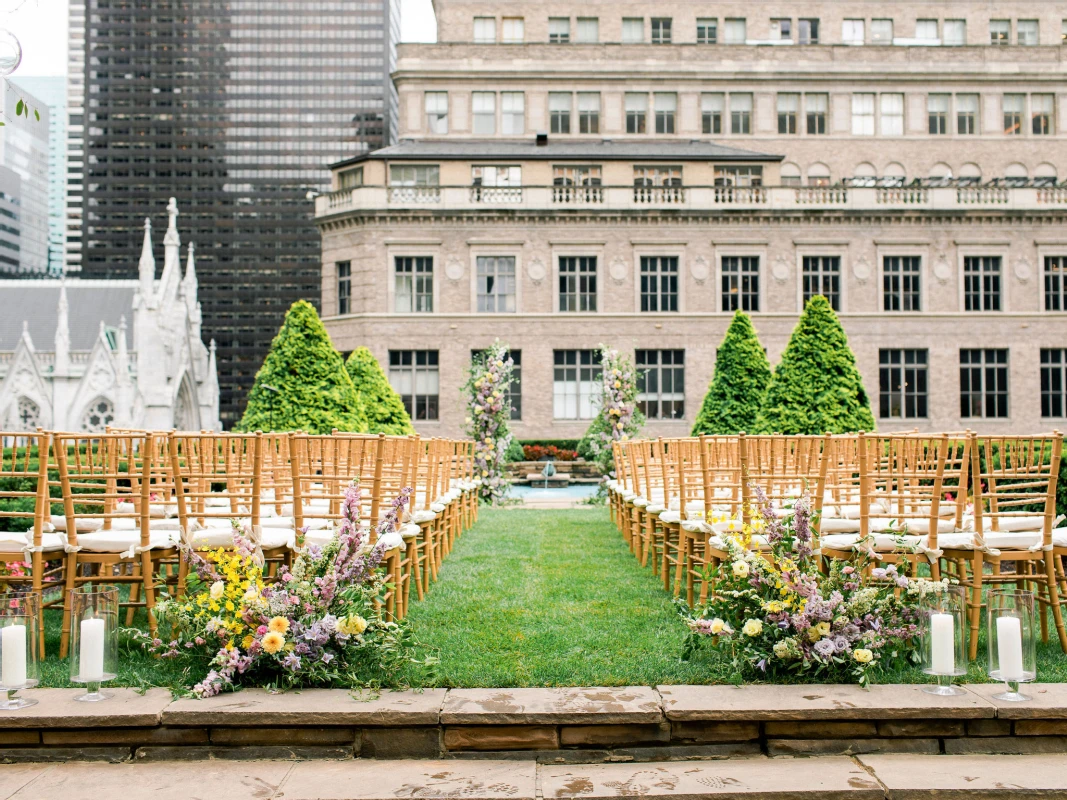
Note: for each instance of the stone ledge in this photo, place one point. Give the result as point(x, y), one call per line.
point(921, 777)
point(308, 707)
point(57, 708)
point(562, 706)
point(1050, 700)
point(366, 780)
point(817, 702)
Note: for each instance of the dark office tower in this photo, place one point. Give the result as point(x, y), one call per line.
point(235, 109)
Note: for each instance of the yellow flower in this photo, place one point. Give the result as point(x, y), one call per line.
point(823, 628)
point(247, 641)
point(781, 649)
point(773, 607)
point(279, 625)
point(618, 384)
point(863, 655)
point(217, 590)
point(273, 642)
point(752, 627)
point(740, 569)
point(717, 626)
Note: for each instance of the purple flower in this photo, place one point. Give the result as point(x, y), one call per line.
point(825, 648)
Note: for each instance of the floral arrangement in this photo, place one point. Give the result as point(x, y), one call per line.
point(535, 452)
point(488, 419)
point(315, 624)
point(777, 618)
point(618, 418)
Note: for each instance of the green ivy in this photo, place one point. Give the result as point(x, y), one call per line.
point(314, 392)
point(816, 387)
point(742, 373)
point(385, 410)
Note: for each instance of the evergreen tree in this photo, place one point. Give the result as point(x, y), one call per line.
point(816, 388)
point(385, 410)
point(314, 392)
point(742, 373)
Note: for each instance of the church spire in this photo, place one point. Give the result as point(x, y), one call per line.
point(172, 237)
point(123, 354)
point(62, 341)
point(189, 282)
point(147, 266)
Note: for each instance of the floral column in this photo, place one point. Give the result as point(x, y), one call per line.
point(489, 412)
point(619, 418)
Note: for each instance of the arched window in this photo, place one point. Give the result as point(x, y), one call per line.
point(27, 414)
point(818, 175)
point(1045, 174)
point(790, 174)
point(863, 175)
point(940, 170)
point(1016, 174)
point(894, 174)
point(99, 414)
point(970, 173)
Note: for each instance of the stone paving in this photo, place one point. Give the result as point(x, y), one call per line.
point(892, 777)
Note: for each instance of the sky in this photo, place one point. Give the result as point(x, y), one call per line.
point(41, 28)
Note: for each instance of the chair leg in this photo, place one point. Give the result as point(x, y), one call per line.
point(147, 579)
point(976, 602)
point(1054, 598)
point(70, 575)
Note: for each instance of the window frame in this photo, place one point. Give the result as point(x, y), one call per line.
point(512, 116)
point(747, 280)
point(559, 119)
point(661, 286)
point(417, 277)
point(908, 270)
point(890, 390)
point(563, 33)
point(960, 113)
point(666, 119)
point(822, 255)
point(708, 118)
point(483, 114)
point(486, 22)
point(982, 295)
point(674, 368)
point(587, 383)
point(789, 118)
point(628, 26)
point(415, 409)
point(809, 115)
point(942, 117)
point(1052, 364)
point(862, 98)
point(588, 119)
point(741, 118)
point(343, 271)
point(587, 297)
point(983, 365)
point(663, 35)
point(706, 25)
point(431, 127)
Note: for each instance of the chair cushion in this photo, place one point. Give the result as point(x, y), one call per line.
point(670, 517)
point(11, 542)
point(119, 541)
point(409, 530)
point(839, 541)
point(423, 515)
point(438, 508)
point(81, 524)
point(390, 541)
point(655, 508)
point(835, 525)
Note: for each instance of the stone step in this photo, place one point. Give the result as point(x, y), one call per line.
point(884, 777)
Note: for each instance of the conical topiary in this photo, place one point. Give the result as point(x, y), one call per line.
point(742, 373)
point(313, 391)
point(385, 410)
point(816, 388)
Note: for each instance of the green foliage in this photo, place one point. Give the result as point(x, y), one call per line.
point(314, 392)
point(587, 448)
point(816, 388)
point(514, 452)
point(742, 373)
point(385, 410)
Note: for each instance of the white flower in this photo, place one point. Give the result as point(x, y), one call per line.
point(740, 569)
point(752, 627)
point(781, 649)
point(717, 626)
point(218, 588)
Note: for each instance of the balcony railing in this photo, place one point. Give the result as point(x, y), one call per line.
point(696, 198)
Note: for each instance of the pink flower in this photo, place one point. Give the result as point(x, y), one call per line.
point(261, 630)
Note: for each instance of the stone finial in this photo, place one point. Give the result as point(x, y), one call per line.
point(171, 237)
point(62, 340)
point(146, 269)
point(123, 354)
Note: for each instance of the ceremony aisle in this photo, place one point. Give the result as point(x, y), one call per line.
point(550, 598)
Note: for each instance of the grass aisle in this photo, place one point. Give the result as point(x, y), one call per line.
point(550, 598)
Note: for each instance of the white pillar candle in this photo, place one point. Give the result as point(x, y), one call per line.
point(13, 667)
point(1010, 648)
point(942, 644)
point(91, 660)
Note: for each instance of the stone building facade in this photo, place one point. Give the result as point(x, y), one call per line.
point(695, 158)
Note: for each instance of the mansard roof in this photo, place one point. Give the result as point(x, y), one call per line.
point(90, 302)
point(559, 150)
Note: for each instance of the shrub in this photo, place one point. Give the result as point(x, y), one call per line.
point(562, 444)
point(816, 387)
point(535, 452)
point(385, 410)
point(314, 392)
point(514, 452)
point(741, 377)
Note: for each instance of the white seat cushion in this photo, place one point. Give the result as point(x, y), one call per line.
point(1059, 537)
point(119, 541)
point(913, 526)
point(438, 508)
point(839, 541)
point(655, 508)
point(82, 524)
point(641, 502)
point(318, 538)
point(12, 542)
point(423, 515)
point(271, 538)
point(391, 541)
point(409, 530)
point(670, 517)
point(834, 525)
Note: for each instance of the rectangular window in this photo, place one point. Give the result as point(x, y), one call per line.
point(576, 384)
point(707, 30)
point(1026, 32)
point(636, 112)
point(740, 113)
point(659, 283)
point(822, 275)
point(577, 283)
point(661, 383)
point(496, 284)
point(633, 30)
point(937, 113)
point(437, 112)
point(483, 106)
point(740, 283)
point(966, 114)
point(580, 183)
point(1053, 385)
point(344, 287)
point(493, 175)
point(512, 113)
point(485, 30)
point(657, 176)
point(559, 30)
point(1000, 32)
point(588, 30)
point(734, 31)
point(782, 30)
point(902, 384)
point(414, 284)
point(414, 175)
point(747, 175)
point(588, 112)
point(983, 383)
point(863, 115)
point(852, 31)
point(1055, 283)
point(559, 112)
point(512, 30)
point(981, 283)
point(350, 178)
point(666, 106)
point(1014, 110)
point(926, 29)
point(816, 108)
point(892, 107)
point(661, 30)
point(954, 33)
point(900, 283)
point(711, 108)
point(1041, 114)
point(807, 31)
point(788, 105)
point(881, 31)
point(413, 374)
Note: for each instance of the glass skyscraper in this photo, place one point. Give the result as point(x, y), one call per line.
point(234, 108)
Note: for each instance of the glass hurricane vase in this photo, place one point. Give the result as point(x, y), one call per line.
point(19, 628)
point(94, 613)
point(944, 648)
point(1012, 641)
